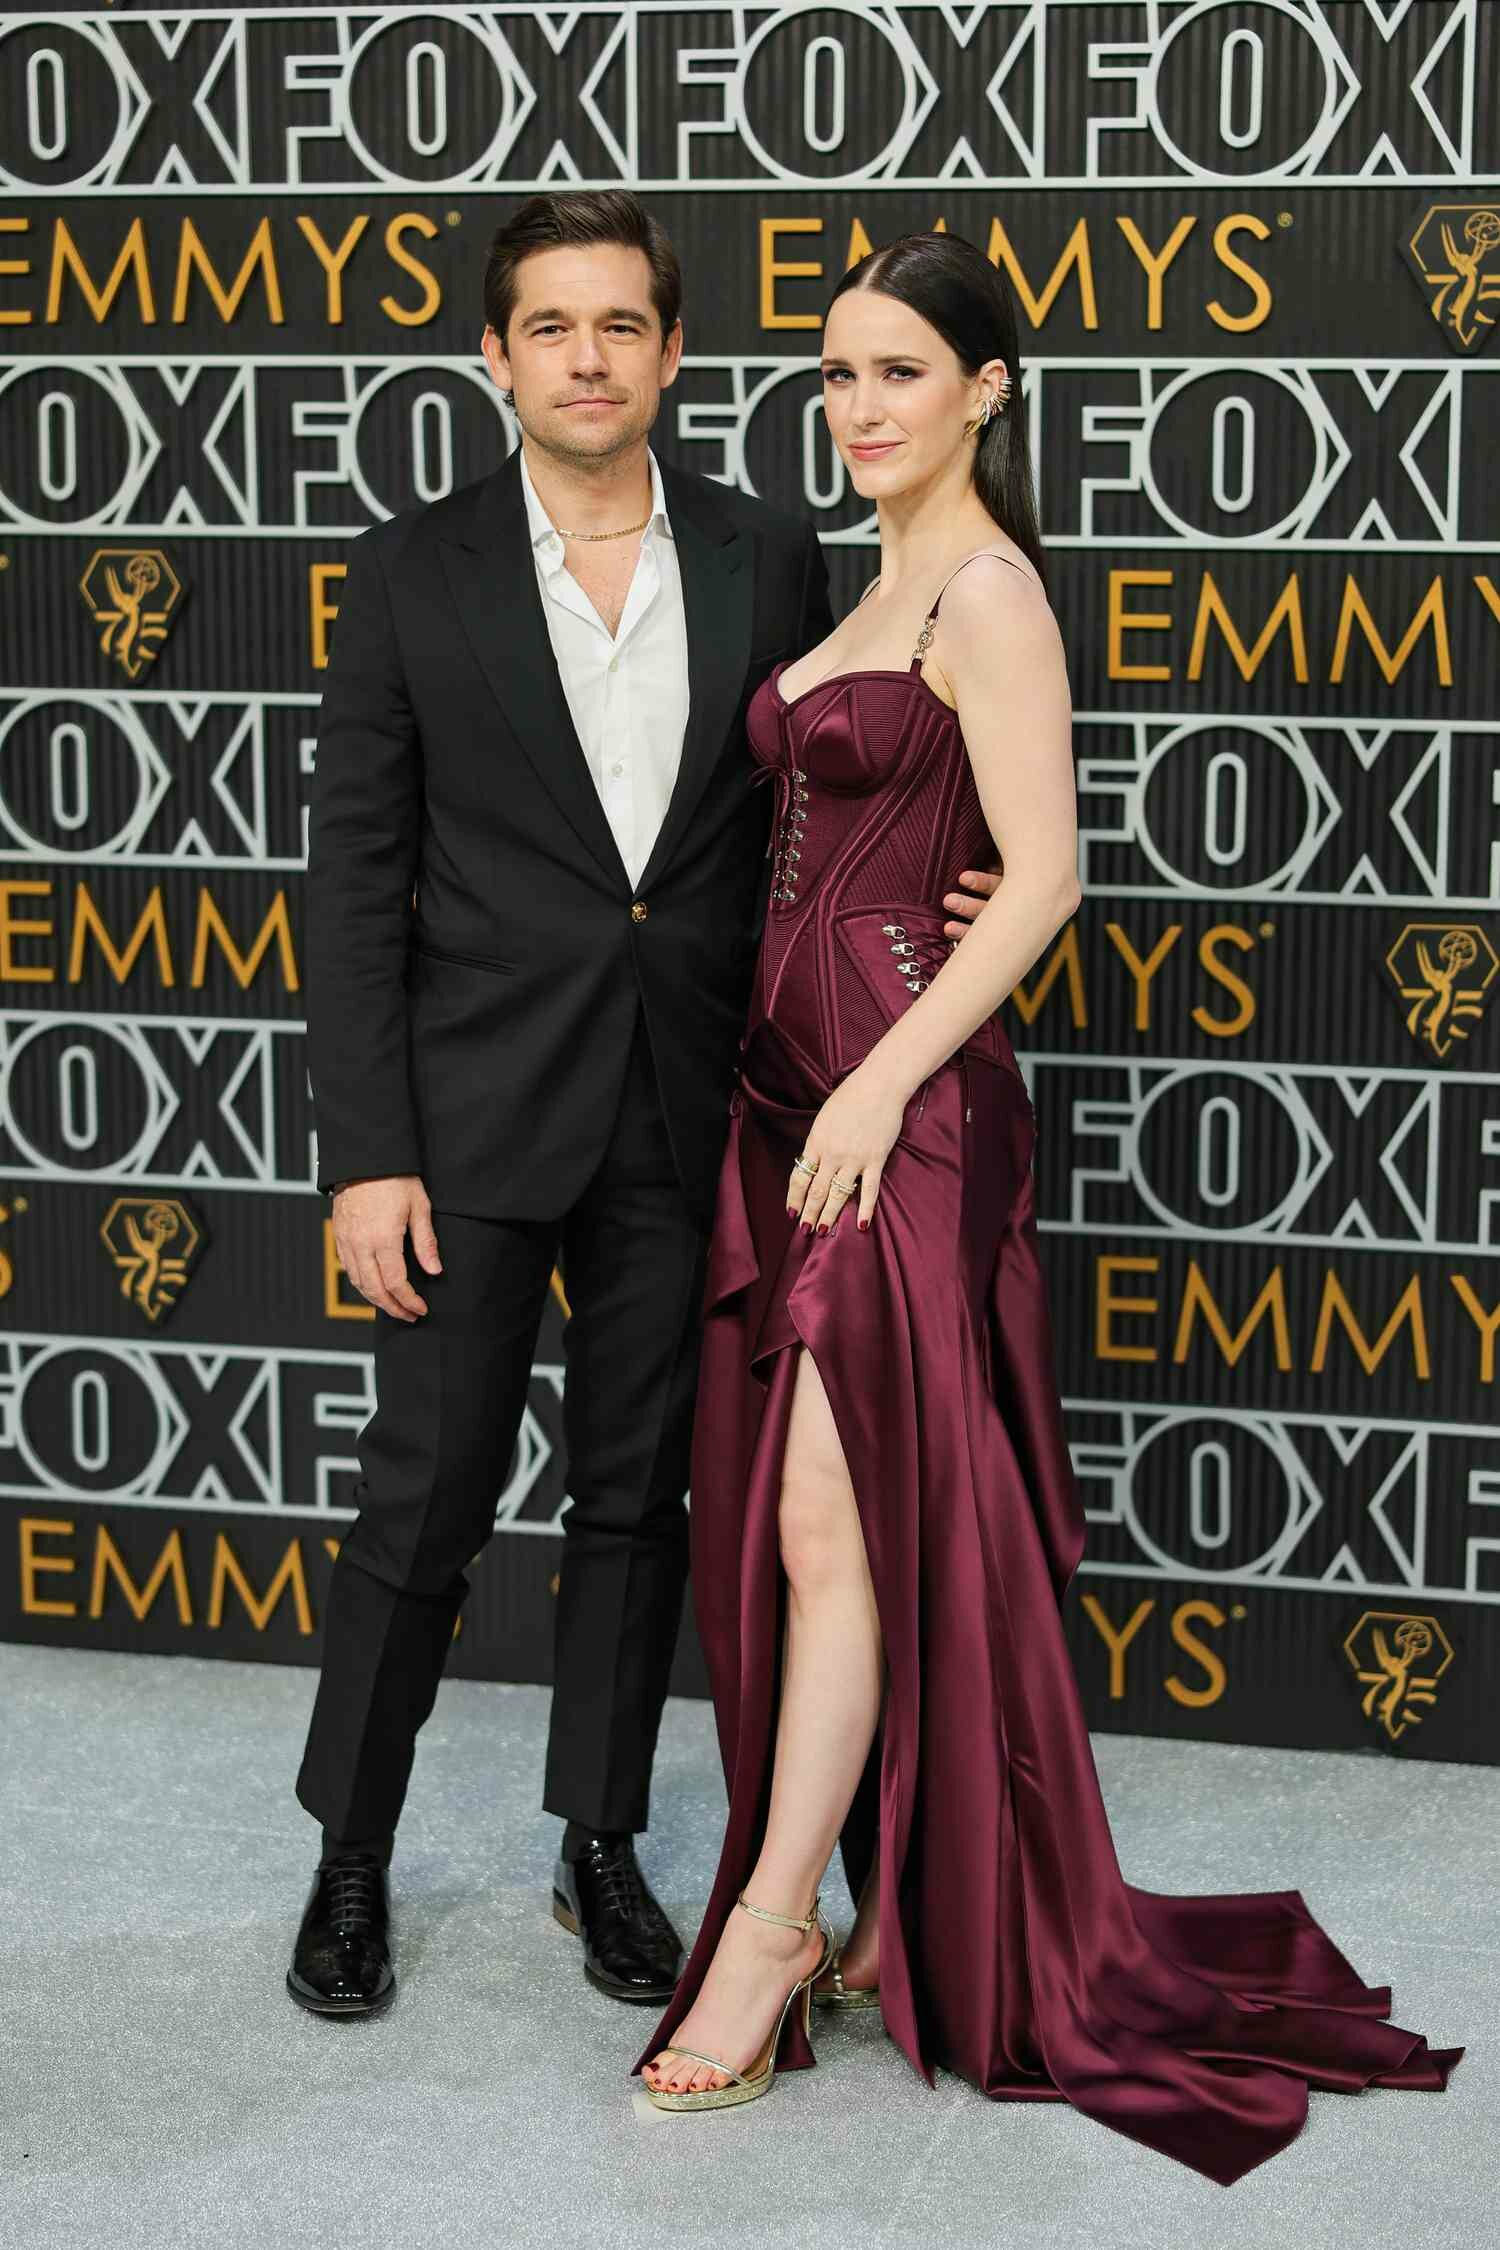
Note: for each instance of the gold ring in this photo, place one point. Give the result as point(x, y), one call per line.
point(845, 1187)
point(800, 1164)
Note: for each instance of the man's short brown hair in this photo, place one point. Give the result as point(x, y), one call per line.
point(560, 222)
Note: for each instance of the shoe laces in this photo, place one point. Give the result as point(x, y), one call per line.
point(620, 1880)
point(353, 1888)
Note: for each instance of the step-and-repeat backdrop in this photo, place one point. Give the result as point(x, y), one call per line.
point(1256, 247)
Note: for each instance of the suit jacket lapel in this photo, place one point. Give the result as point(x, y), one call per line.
point(717, 592)
point(493, 581)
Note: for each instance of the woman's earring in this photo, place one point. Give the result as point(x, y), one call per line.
point(994, 403)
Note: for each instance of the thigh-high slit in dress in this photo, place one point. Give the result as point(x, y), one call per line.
point(1012, 1950)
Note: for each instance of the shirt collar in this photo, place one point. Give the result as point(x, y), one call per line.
point(544, 538)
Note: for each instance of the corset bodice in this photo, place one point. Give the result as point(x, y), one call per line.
point(877, 814)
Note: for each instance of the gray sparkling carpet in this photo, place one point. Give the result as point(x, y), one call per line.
point(158, 2089)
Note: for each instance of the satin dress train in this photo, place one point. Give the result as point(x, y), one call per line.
point(1012, 1950)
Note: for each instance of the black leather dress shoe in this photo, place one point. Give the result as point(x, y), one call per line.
point(630, 1949)
point(341, 1965)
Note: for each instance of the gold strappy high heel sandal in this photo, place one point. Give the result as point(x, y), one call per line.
point(749, 2085)
point(841, 1995)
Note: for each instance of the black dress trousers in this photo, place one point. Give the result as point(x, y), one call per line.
point(450, 1391)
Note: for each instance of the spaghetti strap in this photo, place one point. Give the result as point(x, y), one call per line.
point(924, 638)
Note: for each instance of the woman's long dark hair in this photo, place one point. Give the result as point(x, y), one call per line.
point(953, 286)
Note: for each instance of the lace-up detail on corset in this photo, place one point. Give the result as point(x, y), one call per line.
point(918, 954)
point(784, 849)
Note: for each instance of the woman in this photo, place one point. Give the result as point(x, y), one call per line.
point(884, 1518)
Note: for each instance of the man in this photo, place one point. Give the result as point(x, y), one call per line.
point(532, 891)
point(534, 887)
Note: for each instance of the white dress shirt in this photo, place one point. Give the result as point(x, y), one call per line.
point(628, 695)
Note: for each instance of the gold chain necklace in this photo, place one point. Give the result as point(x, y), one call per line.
point(592, 536)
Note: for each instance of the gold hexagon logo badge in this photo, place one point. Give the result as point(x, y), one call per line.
point(1454, 251)
point(1398, 1658)
point(133, 593)
point(1443, 972)
point(153, 1240)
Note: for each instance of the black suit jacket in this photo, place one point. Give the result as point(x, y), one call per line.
point(476, 952)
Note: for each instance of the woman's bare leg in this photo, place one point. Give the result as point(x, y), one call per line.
point(832, 1668)
point(859, 1955)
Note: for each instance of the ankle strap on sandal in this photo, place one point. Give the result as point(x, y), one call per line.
point(806, 1924)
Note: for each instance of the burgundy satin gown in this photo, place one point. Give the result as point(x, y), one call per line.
point(1012, 1951)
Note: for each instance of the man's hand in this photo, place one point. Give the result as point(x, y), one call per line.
point(371, 1220)
point(984, 885)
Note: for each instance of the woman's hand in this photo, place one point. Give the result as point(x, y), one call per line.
point(851, 1137)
